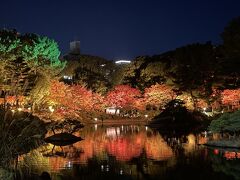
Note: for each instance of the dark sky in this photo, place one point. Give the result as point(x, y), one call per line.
point(121, 28)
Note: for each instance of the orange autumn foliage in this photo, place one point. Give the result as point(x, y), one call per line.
point(13, 99)
point(69, 99)
point(159, 95)
point(122, 96)
point(231, 97)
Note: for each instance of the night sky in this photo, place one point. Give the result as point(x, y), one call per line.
point(121, 29)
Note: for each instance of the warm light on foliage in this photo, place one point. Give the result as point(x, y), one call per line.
point(122, 96)
point(231, 97)
point(139, 104)
point(58, 94)
point(123, 146)
point(81, 97)
point(98, 102)
point(186, 98)
point(13, 100)
point(201, 103)
point(71, 99)
point(159, 95)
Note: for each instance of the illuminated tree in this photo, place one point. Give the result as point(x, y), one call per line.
point(139, 104)
point(98, 103)
point(186, 98)
point(122, 96)
point(25, 60)
point(69, 98)
point(159, 95)
point(201, 104)
point(12, 100)
point(81, 97)
point(39, 92)
point(58, 94)
point(189, 104)
point(73, 100)
point(231, 97)
point(215, 99)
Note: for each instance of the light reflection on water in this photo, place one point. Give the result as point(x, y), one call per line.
point(136, 152)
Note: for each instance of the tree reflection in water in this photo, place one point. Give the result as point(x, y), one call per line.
point(121, 151)
point(226, 161)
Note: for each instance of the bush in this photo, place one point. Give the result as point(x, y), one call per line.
point(228, 122)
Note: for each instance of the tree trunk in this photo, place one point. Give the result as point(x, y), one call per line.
point(193, 100)
point(33, 107)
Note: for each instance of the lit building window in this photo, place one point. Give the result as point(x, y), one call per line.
point(112, 110)
point(67, 77)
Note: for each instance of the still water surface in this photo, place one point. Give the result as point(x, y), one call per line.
point(131, 152)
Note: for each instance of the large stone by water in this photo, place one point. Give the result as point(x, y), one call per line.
point(62, 139)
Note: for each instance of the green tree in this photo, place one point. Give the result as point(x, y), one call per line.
point(218, 125)
point(26, 58)
point(226, 123)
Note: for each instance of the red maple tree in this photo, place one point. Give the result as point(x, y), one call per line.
point(122, 96)
point(70, 100)
point(231, 97)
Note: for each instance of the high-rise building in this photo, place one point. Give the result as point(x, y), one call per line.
point(75, 47)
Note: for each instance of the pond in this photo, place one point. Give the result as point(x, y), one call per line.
point(130, 152)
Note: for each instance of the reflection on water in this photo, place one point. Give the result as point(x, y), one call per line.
point(132, 152)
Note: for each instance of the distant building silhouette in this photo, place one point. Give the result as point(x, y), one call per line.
point(75, 47)
point(81, 66)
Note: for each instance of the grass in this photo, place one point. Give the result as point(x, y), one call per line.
point(19, 133)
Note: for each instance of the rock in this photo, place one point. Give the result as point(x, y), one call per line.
point(62, 139)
